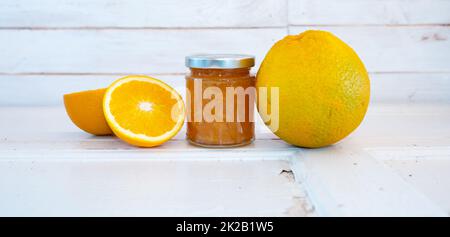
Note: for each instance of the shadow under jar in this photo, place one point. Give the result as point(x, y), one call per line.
point(220, 96)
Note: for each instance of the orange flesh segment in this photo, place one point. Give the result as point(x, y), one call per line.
point(143, 108)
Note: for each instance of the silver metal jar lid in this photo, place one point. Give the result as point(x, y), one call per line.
point(220, 61)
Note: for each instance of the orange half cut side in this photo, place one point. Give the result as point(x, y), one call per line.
point(143, 111)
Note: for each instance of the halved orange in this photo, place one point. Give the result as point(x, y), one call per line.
point(143, 111)
point(86, 111)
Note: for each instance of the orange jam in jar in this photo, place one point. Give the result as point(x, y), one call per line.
point(220, 96)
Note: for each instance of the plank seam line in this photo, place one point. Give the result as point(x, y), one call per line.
point(106, 28)
point(371, 25)
point(175, 73)
point(88, 74)
point(43, 28)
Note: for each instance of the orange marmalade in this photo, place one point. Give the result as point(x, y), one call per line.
point(220, 96)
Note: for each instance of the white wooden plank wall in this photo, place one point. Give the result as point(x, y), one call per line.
point(53, 47)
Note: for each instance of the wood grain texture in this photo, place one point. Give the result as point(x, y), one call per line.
point(422, 172)
point(118, 51)
point(139, 13)
point(48, 89)
point(368, 12)
point(114, 179)
point(365, 187)
point(68, 172)
point(410, 87)
point(57, 47)
point(400, 49)
point(396, 49)
point(147, 188)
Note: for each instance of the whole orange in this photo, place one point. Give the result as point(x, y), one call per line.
point(324, 88)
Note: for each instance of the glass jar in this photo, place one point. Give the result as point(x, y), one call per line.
point(220, 95)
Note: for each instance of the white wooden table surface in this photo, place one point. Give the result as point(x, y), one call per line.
point(397, 164)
